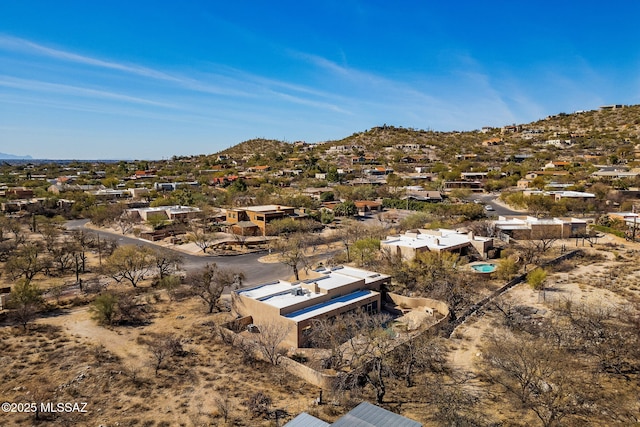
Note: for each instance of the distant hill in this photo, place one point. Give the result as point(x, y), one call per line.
point(257, 146)
point(606, 131)
point(12, 156)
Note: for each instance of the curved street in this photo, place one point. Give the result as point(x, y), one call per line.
point(255, 271)
point(497, 207)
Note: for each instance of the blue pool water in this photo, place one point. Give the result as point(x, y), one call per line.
point(484, 268)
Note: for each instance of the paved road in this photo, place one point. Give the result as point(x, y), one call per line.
point(255, 272)
point(498, 209)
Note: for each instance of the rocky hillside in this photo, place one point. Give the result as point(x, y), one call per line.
point(603, 132)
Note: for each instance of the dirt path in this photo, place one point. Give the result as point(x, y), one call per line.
point(79, 324)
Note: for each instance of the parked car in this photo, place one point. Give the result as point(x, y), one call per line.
point(489, 208)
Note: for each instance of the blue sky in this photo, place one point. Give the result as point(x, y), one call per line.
point(153, 79)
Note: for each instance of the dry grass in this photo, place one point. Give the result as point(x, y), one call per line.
point(70, 359)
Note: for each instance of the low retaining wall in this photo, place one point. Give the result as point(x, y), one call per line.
point(238, 325)
point(417, 302)
point(318, 379)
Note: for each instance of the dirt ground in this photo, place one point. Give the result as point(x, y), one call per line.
point(613, 282)
point(117, 376)
point(68, 357)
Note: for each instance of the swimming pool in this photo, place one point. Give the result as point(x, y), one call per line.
point(484, 268)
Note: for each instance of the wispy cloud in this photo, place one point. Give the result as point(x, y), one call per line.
point(18, 44)
point(234, 82)
point(368, 80)
point(34, 85)
point(26, 46)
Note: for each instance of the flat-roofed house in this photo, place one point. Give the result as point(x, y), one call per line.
point(528, 227)
point(410, 244)
point(294, 305)
point(164, 212)
point(253, 220)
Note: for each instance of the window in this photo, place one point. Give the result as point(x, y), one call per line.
point(371, 308)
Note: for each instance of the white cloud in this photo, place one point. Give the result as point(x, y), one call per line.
point(34, 85)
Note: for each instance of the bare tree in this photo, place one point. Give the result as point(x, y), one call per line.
point(14, 227)
point(129, 262)
point(104, 246)
point(6, 249)
point(201, 236)
point(124, 222)
point(349, 234)
point(162, 347)
point(25, 262)
point(63, 255)
point(545, 239)
point(259, 404)
point(529, 252)
point(422, 352)
point(50, 231)
point(483, 228)
point(269, 341)
point(369, 354)
point(291, 251)
point(25, 301)
point(166, 261)
point(4, 221)
point(83, 242)
point(542, 377)
point(130, 310)
point(455, 404)
point(359, 342)
point(209, 283)
point(224, 407)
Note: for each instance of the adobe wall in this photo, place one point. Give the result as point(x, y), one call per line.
point(412, 302)
point(319, 379)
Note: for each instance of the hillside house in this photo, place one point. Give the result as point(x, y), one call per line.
point(523, 183)
point(473, 176)
point(316, 192)
point(262, 168)
point(423, 195)
point(294, 305)
point(616, 173)
point(511, 129)
point(559, 195)
point(466, 156)
point(253, 220)
point(475, 186)
point(631, 219)
point(410, 244)
point(109, 194)
point(175, 212)
point(363, 160)
point(557, 164)
point(531, 228)
point(172, 186)
point(17, 192)
point(368, 207)
point(146, 174)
